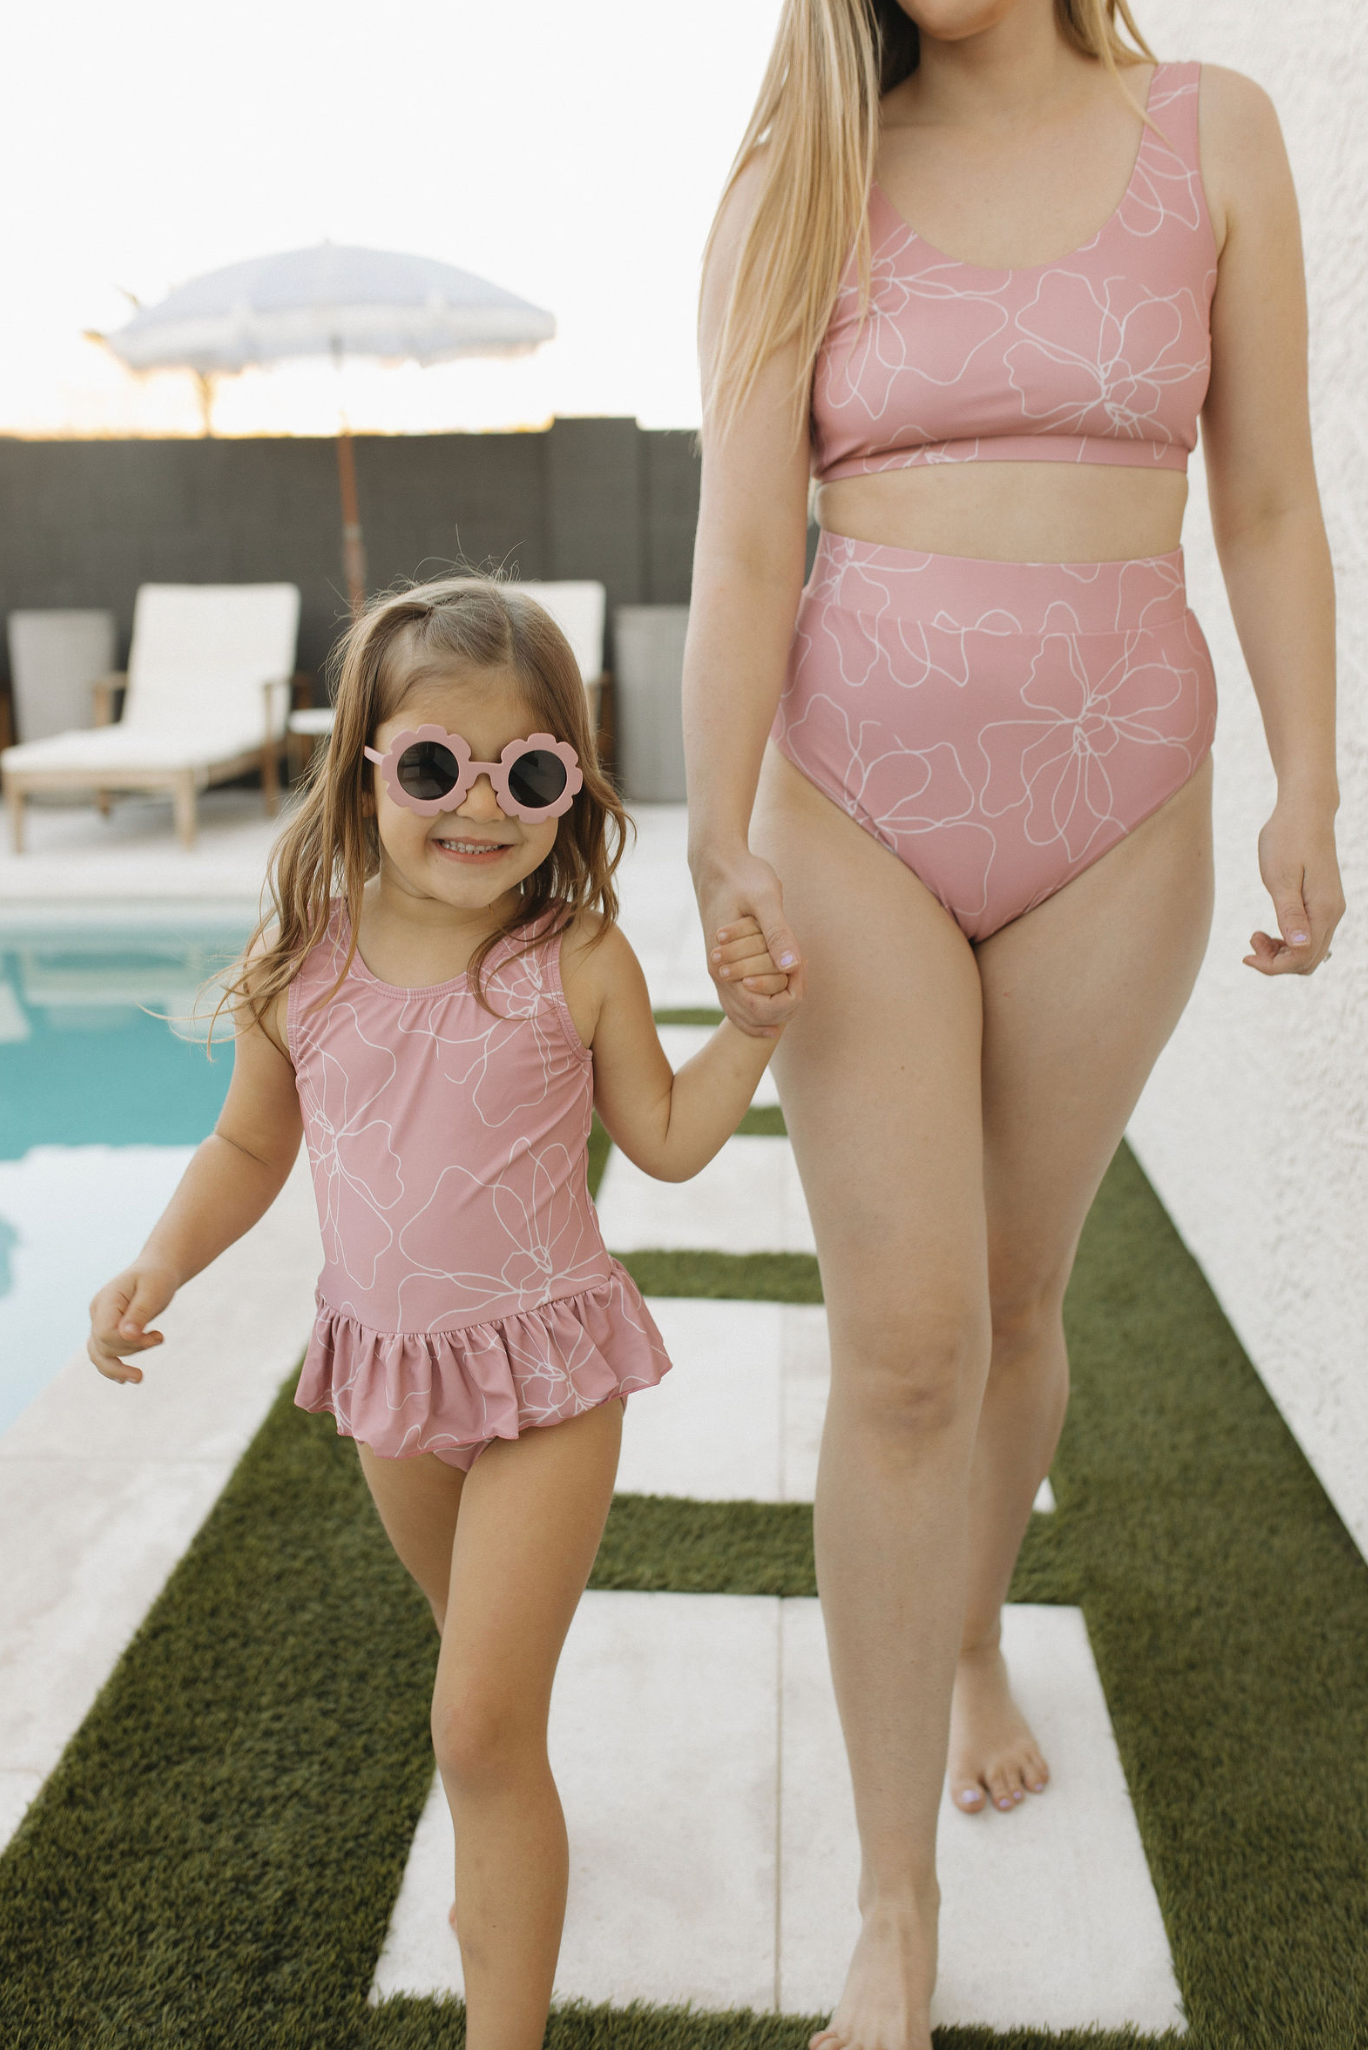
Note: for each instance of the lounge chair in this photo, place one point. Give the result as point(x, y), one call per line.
point(578, 609)
point(207, 698)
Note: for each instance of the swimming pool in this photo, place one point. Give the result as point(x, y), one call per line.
point(105, 1091)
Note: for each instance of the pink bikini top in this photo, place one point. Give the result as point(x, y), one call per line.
point(447, 1141)
point(1102, 356)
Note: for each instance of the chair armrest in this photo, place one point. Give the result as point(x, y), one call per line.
point(102, 691)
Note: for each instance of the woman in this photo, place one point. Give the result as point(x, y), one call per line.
point(981, 759)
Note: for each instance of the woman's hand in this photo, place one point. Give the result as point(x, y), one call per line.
point(730, 894)
point(119, 1316)
point(1300, 869)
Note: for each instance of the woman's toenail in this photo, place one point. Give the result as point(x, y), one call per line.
point(1039, 1787)
point(1004, 1802)
point(970, 1798)
point(1017, 1794)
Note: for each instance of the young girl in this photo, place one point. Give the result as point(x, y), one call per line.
point(441, 993)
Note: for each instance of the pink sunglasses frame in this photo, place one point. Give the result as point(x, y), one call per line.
point(471, 771)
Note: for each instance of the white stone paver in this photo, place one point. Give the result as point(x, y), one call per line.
point(669, 1745)
point(73, 855)
point(664, 1740)
point(659, 915)
point(1049, 1918)
point(682, 1042)
point(102, 1487)
point(740, 1417)
point(748, 1200)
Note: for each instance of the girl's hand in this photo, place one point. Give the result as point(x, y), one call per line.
point(734, 901)
point(742, 956)
point(119, 1316)
point(1300, 869)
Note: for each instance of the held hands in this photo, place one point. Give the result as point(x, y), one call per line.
point(119, 1316)
point(741, 956)
point(1301, 874)
point(752, 954)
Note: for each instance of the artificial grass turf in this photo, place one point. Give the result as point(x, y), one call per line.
point(215, 1858)
point(742, 1277)
point(669, 1543)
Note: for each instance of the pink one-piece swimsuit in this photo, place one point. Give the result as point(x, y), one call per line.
point(998, 726)
point(466, 1293)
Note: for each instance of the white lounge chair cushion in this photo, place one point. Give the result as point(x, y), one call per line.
point(203, 651)
point(200, 658)
point(126, 749)
point(314, 720)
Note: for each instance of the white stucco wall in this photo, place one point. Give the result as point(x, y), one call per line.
point(1254, 1128)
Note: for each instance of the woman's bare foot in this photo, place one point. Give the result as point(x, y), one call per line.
point(886, 2002)
point(993, 1755)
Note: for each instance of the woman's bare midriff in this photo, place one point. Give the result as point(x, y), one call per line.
point(1012, 512)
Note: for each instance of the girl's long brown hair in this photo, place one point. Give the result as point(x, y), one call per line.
point(331, 848)
point(816, 128)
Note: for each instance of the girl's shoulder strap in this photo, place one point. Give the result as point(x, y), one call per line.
point(524, 968)
point(317, 973)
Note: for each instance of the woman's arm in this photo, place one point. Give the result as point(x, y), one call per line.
point(748, 574)
point(231, 1182)
point(1265, 509)
point(670, 1125)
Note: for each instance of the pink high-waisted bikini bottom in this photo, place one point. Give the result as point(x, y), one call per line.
point(997, 725)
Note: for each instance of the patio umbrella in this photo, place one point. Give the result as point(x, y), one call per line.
point(332, 301)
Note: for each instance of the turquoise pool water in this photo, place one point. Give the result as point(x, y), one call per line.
point(105, 1090)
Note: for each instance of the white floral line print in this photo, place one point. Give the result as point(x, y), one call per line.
point(531, 1200)
point(549, 1389)
point(1056, 764)
point(940, 390)
point(868, 754)
point(466, 1293)
point(1118, 361)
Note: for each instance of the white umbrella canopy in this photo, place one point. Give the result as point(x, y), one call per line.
point(334, 300)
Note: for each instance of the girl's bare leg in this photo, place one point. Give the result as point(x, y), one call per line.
point(1079, 997)
point(532, 1514)
point(880, 1080)
point(417, 1500)
point(503, 1578)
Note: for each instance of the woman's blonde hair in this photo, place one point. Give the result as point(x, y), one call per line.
point(331, 846)
point(816, 126)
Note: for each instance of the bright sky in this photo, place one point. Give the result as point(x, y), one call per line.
point(573, 153)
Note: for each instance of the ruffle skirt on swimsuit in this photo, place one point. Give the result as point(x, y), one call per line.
point(453, 1392)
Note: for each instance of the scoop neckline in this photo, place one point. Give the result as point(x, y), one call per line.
point(365, 973)
point(1028, 270)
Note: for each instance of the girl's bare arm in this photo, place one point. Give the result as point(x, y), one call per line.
point(1265, 509)
point(670, 1125)
point(747, 577)
point(231, 1182)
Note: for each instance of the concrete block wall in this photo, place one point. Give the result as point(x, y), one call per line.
point(1254, 1127)
point(83, 523)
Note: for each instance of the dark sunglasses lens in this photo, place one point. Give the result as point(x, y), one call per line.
point(536, 778)
point(428, 770)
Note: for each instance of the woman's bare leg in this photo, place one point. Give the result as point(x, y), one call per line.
point(1079, 997)
point(880, 1081)
point(532, 1514)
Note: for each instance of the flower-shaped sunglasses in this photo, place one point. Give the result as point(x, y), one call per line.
point(427, 771)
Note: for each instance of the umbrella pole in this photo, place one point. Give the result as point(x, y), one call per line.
point(353, 543)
